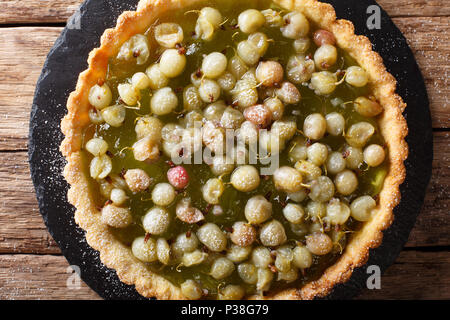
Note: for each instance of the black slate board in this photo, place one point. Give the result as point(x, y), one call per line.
point(68, 58)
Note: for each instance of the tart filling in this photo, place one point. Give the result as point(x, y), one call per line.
point(182, 129)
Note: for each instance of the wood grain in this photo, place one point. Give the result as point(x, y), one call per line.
point(31, 266)
point(37, 11)
point(415, 8)
point(23, 231)
point(19, 72)
point(58, 11)
point(415, 275)
point(427, 38)
point(21, 60)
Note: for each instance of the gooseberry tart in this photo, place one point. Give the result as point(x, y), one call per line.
point(287, 82)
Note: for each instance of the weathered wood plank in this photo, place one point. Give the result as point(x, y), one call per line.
point(37, 11)
point(415, 8)
point(58, 11)
point(21, 58)
point(40, 277)
point(23, 231)
point(433, 223)
point(427, 38)
point(19, 72)
point(415, 275)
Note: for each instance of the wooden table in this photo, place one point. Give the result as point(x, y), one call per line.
point(31, 264)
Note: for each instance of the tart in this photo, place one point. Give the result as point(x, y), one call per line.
point(227, 149)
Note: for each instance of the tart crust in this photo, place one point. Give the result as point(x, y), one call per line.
point(117, 256)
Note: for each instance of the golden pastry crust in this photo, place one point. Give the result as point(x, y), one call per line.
point(119, 257)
